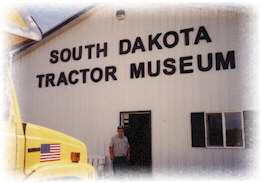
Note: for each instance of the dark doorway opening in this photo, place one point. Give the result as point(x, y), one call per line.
point(138, 131)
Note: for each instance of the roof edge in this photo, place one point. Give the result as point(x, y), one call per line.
point(27, 45)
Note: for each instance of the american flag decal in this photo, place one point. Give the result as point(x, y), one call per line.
point(50, 152)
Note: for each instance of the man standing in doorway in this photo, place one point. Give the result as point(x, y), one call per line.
point(119, 151)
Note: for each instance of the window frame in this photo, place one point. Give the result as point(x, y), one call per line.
point(224, 130)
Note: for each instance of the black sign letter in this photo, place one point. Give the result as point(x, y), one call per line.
point(186, 31)
point(154, 41)
point(138, 45)
point(176, 38)
point(137, 72)
point(70, 77)
point(50, 79)
point(84, 71)
point(200, 65)
point(110, 73)
point(40, 80)
point(157, 69)
point(169, 65)
point(62, 79)
point(183, 65)
point(225, 63)
point(121, 47)
point(99, 76)
point(53, 54)
point(202, 34)
point(98, 50)
point(79, 53)
point(62, 56)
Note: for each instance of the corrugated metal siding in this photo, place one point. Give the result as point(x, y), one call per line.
point(90, 112)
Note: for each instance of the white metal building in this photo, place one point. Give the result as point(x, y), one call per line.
point(180, 78)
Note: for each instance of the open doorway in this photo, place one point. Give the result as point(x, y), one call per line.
point(137, 127)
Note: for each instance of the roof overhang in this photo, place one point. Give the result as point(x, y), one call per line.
point(59, 28)
point(24, 26)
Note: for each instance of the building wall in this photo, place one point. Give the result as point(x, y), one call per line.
point(90, 111)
